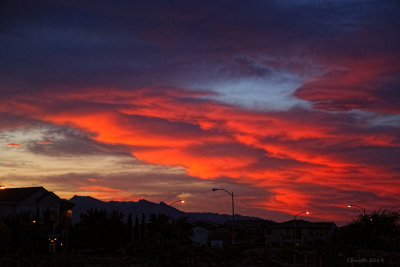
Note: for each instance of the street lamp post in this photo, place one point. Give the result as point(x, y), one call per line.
point(233, 213)
point(353, 205)
point(294, 222)
point(180, 200)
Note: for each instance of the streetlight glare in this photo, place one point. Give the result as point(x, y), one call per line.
point(294, 223)
point(353, 205)
point(180, 201)
point(233, 213)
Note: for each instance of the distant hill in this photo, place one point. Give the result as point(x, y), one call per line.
point(83, 203)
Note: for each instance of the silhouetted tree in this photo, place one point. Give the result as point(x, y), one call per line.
point(6, 237)
point(136, 229)
point(167, 242)
point(98, 230)
point(143, 228)
point(379, 230)
point(22, 236)
point(129, 227)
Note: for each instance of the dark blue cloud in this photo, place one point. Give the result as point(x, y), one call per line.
point(132, 44)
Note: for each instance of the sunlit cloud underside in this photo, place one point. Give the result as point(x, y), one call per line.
point(292, 107)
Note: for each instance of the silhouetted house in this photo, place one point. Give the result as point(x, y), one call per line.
point(246, 233)
point(221, 237)
point(249, 232)
point(306, 232)
point(38, 204)
point(202, 232)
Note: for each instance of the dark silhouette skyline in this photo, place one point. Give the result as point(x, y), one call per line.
point(292, 105)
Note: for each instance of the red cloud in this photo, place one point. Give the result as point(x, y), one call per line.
point(291, 154)
point(103, 192)
point(367, 84)
point(18, 145)
point(44, 143)
point(99, 188)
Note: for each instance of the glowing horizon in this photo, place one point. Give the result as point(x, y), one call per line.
point(292, 107)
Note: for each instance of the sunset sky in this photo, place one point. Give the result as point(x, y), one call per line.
point(292, 105)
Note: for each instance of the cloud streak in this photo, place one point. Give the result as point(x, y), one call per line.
point(16, 145)
point(279, 101)
point(282, 152)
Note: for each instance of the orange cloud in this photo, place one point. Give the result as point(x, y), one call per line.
point(270, 150)
point(99, 188)
point(365, 83)
point(105, 193)
point(44, 143)
point(17, 145)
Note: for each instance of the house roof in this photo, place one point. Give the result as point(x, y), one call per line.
point(206, 225)
point(303, 223)
point(51, 194)
point(66, 204)
point(17, 194)
point(247, 224)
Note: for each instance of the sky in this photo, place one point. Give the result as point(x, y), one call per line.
point(292, 105)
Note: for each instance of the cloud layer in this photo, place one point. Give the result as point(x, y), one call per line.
point(292, 106)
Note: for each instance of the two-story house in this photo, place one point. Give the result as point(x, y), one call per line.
point(38, 204)
point(306, 232)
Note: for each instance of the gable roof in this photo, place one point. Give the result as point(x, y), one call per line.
point(48, 194)
point(66, 204)
point(247, 224)
point(303, 223)
point(15, 195)
point(206, 225)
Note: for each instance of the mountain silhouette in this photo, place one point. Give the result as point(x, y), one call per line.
point(84, 203)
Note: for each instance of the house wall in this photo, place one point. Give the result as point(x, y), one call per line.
point(280, 236)
point(284, 235)
point(250, 236)
point(65, 216)
point(51, 205)
point(6, 209)
point(46, 203)
point(200, 235)
point(28, 205)
point(313, 234)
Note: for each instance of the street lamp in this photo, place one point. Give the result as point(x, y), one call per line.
point(180, 200)
point(294, 222)
point(233, 213)
point(2, 187)
point(353, 205)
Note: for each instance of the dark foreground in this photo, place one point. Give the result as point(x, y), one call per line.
point(102, 239)
point(273, 257)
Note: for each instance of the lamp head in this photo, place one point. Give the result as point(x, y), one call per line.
point(214, 189)
point(307, 212)
point(349, 205)
point(182, 201)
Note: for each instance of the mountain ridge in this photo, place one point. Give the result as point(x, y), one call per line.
point(137, 208)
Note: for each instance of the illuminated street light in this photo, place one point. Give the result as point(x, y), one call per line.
point(233, 213)
point(181, 201)
point(2, 187)
point(353, 205)
point(294, 222)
